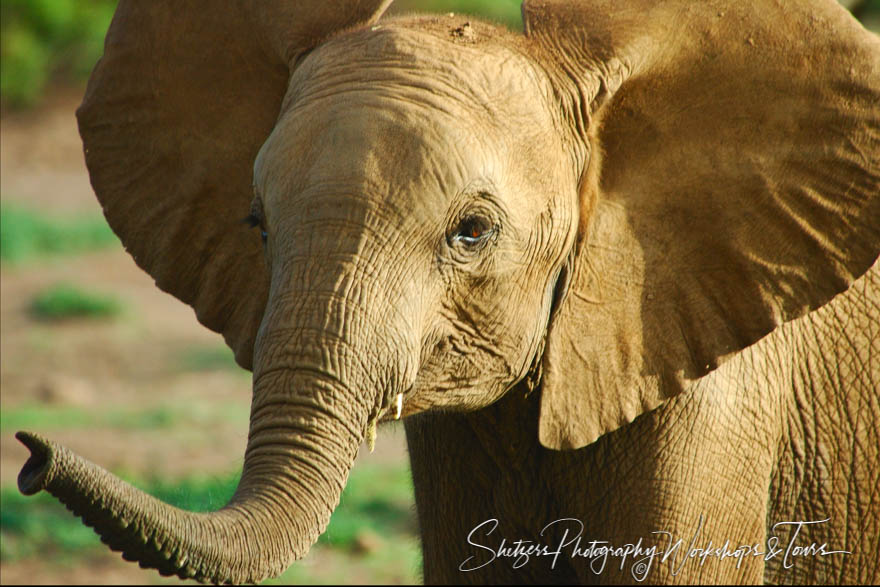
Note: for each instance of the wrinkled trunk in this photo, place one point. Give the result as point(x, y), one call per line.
point(300, 450)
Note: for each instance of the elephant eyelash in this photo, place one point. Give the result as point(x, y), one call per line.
point(472, 232)
point(254, 221)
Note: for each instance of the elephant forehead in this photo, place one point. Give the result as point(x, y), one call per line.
point(354, 144)
point(395, 111)
point(415, 62)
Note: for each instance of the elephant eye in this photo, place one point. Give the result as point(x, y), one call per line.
point(471, 231)
point(254, 221)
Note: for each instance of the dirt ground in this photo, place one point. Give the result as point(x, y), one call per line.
point(126, 364)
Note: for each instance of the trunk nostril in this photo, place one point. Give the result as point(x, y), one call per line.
point(34, 473)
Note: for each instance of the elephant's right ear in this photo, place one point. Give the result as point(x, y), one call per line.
point(173, 117)
point(730, 182)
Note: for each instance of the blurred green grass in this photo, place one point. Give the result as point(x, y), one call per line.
point(64, 301)
point(59, 417)
point(27, 235)
point(44, 40)
point(376, 502)
point(378, 498)
point(506, 12)
point(42, 416)
point(208, 358)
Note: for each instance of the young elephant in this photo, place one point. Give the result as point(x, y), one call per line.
point(619, 274)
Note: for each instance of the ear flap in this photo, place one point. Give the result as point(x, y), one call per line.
point(733, 178)
point(173, 117)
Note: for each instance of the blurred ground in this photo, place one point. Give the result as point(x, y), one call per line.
point(150, 392)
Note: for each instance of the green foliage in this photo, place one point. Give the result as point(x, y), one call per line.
point(26, 234)
point(869, 13)
point(42, 39)
point(506, 12)
point(64, 301)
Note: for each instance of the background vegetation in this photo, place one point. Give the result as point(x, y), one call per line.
point(27, 234)
point(43, 40)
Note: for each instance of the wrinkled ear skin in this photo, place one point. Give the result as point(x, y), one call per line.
point(173, 117)
point(733, 171)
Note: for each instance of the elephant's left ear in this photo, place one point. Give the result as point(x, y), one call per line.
point(730, 183)
point(172, 119)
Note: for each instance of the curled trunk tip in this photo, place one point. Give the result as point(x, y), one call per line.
point(36, 474)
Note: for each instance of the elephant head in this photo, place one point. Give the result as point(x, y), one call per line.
point(607, 206)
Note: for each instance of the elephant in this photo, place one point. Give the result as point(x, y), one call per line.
point(617, 273)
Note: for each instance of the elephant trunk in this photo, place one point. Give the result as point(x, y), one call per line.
point(300, 451)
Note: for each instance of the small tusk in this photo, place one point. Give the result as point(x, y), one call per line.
point(399, 406)
point(371, 429)
point(371, 435)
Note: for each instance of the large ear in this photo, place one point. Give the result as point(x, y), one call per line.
point(730, 184)
point(172, 120)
